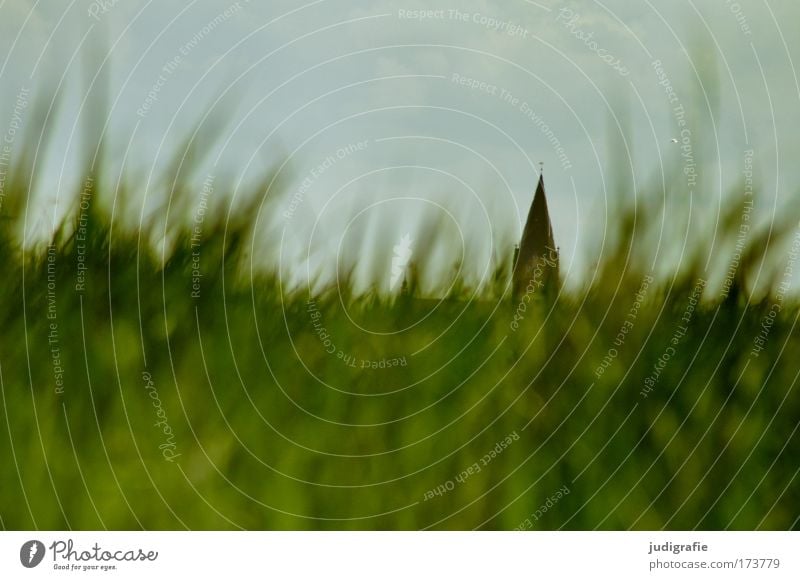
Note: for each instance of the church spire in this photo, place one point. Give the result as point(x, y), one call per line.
point(536, 264)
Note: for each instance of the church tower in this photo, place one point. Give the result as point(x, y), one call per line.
point(536, 260)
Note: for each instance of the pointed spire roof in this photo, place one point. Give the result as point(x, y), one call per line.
point(536, 259)
point(537, 237)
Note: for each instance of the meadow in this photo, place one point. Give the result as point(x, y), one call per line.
point(146, 389)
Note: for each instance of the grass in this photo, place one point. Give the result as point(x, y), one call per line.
point(226, 410)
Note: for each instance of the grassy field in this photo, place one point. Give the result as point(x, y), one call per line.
point(137, 394)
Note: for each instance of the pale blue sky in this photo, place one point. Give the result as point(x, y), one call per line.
point(308, 79)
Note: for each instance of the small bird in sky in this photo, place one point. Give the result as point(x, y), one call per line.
point(674, 140)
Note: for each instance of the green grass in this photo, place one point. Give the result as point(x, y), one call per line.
point(271, 431)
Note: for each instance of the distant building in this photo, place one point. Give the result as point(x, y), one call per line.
point(536, 259)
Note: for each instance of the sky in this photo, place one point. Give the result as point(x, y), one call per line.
point(385, 119)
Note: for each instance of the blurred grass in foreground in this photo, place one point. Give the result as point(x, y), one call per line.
point(470, 424)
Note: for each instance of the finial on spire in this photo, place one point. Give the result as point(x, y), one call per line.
point(541, 168)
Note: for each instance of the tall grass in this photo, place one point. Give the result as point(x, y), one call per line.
point(270, 430)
